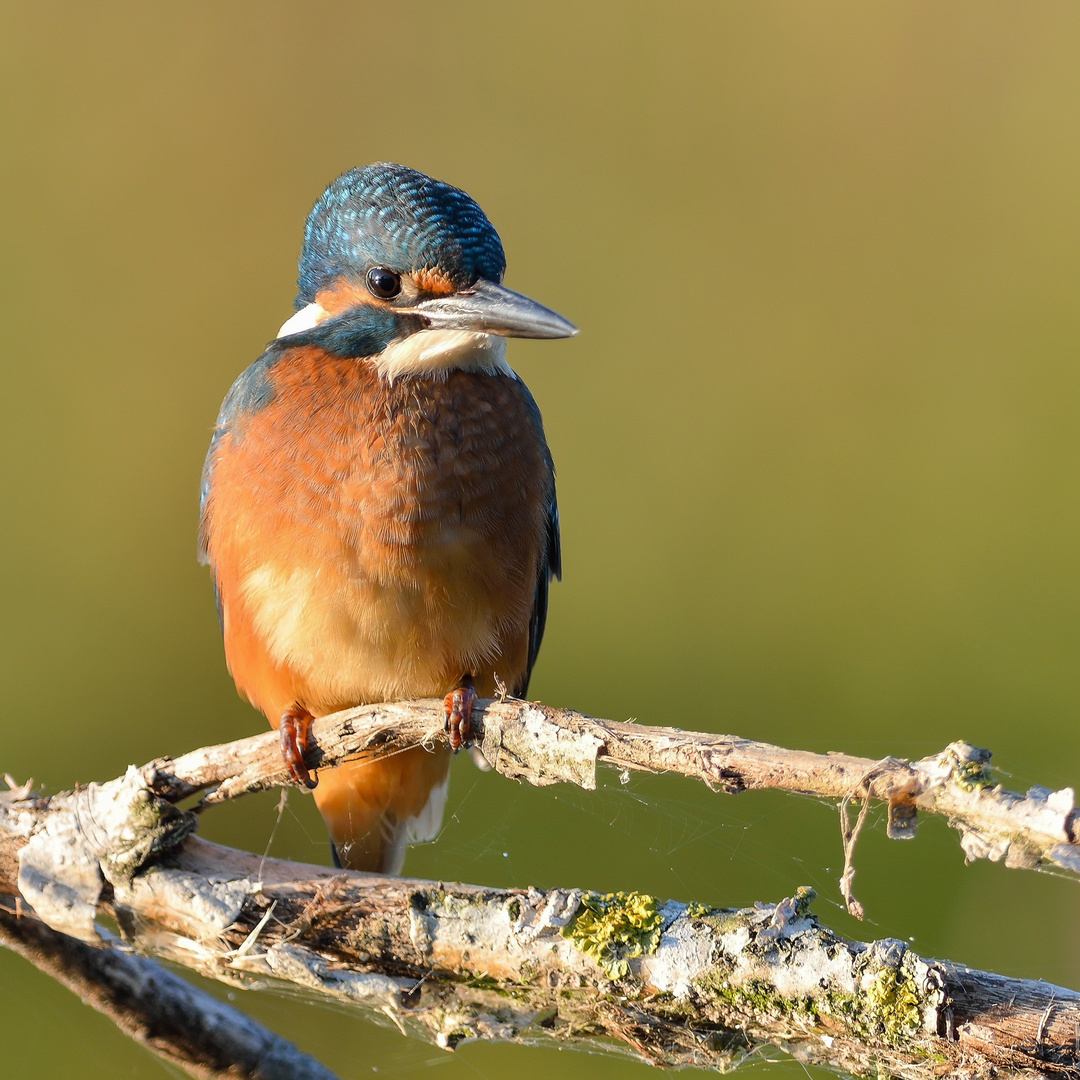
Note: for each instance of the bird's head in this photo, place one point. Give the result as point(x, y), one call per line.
point(408, 270)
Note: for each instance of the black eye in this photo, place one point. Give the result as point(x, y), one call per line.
point(383, 283)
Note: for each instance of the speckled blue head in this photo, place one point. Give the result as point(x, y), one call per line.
point(393, 216)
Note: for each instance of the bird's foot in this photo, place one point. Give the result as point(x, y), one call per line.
point(295, 732)
point(459, 706)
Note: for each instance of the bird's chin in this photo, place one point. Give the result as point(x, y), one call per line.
point(438, 352)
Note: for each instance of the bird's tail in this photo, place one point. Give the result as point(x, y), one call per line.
point(374, 810)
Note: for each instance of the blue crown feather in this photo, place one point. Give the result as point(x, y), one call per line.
point(390, 215)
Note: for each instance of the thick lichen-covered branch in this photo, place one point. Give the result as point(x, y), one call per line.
point(678, 983)
point(542, 745)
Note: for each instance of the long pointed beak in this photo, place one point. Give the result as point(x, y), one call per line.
point(494, 309)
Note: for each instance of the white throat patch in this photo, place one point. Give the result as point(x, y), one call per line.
point(428, 352)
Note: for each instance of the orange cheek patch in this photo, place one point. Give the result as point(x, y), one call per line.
point(343, 295)
point(432, 282)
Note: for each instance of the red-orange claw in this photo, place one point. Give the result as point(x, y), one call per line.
point(295, 732)
point(459, 707)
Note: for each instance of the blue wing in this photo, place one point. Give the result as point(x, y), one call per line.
point(550, 567)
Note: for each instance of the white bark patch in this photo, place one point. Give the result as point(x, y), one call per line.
point(546, 912)
point(209, 907)
point(103, 831)
point(532, 748)
point(815, 969)
point(60, 880)
point(304, 968)
point(451, 923)
point(734, 941)
point(684, 953)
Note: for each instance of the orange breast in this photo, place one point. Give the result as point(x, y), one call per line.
point(373, 541)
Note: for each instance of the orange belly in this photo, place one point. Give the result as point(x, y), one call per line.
point(374, 541)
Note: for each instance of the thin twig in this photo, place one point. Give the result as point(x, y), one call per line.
point(850, 836)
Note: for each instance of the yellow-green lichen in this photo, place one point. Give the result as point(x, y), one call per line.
point(758, 998)
point(616, 927)
point(887, 1009)
point(801, 901)
point(971, 769)
point(893, 1003)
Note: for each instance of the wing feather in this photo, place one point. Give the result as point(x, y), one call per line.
point(550, 567)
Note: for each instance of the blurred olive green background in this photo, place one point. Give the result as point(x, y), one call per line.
point(818, 442)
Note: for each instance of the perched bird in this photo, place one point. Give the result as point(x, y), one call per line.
point(378, 500)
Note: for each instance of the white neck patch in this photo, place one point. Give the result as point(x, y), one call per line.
point(307, 318)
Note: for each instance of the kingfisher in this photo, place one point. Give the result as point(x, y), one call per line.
point(378, 500)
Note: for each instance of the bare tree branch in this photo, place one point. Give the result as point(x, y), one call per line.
point(680, 984)
point(542, 745)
